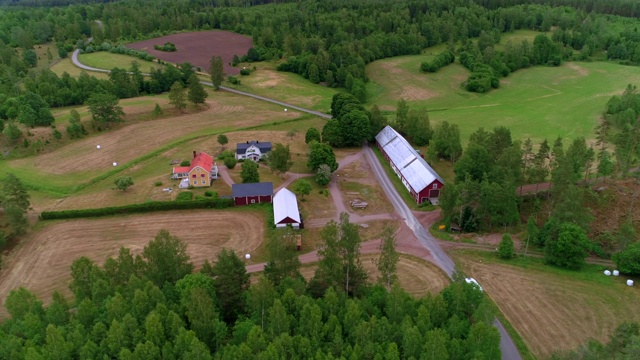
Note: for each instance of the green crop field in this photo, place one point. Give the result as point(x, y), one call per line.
point(107, 60)
point(540, 102)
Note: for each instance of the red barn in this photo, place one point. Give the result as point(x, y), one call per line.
point(422, 182)
point(252, 193)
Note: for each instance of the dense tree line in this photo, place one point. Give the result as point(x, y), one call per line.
point(154, 305)
point(327, 42)
point(628, 8)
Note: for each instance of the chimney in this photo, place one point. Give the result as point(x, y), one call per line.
point(247, 141)
point(194, 154)
point(257, 142)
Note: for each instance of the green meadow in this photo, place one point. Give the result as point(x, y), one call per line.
point(107, 60)
point(539, 102)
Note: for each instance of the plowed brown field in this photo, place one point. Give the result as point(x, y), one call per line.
point(198, 48)
point(42, 261)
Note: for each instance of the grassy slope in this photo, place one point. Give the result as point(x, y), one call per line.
point(107, 60)
point(286, 87)
point(539, 102)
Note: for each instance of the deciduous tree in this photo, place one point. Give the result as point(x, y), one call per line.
point(249, 172)
point(177, 96)
point(280, 158)
point(312, 134)
point(222, 140)
point(197, 94)
point(15, 201)
point(123, 182)
point(321, 153)
point(283, 259)
point(216, 70)
point(569, 249)
point(302, 187)
point(323, 174)
point(104, 109)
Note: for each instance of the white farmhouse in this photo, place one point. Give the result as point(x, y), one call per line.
point(253, 150)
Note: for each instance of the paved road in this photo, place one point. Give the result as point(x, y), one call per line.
point(507, 346)
point(76, 62)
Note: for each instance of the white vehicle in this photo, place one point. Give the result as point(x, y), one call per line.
point(474, 282)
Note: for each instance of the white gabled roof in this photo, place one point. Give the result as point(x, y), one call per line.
point(285, 205)
point(413, 168)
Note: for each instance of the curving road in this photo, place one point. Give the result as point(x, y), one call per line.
point(507, 346)
point(74, 59)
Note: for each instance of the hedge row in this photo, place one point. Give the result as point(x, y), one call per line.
point(217, 203)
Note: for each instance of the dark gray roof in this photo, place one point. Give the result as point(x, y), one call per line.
point(264, 147)
point(252, 189)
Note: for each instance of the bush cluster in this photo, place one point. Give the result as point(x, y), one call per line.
point(209, 203)
point(441, 60)
point(168, 47)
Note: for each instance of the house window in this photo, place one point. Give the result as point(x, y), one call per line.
point(193, 176)
point(201, 175)
point(435, 186)
point(195, 182)
point(203, 182)
point(253, 201)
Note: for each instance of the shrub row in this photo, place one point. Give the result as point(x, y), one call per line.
point(207, 203)
point(441, 60)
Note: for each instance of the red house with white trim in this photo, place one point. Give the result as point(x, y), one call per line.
point(422, 182)
point(252, 193)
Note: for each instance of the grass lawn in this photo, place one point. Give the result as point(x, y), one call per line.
point(107, 60)
point(553, 309)
point(539, 102)
point(65, 65)
point(284, 86)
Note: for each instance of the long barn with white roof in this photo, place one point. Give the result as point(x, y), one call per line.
point(423, 183)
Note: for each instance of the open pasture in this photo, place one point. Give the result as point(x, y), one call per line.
point(284, 86)
point(108, 61)
point(41, 263)
point(65, 65)
point(539, 102)
point(80, 160)
point(416, 276)
point(553, 309)
point(198, 47)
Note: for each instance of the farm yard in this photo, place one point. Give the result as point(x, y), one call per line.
point(42, 261)
point(80, 161)
point(553, 309)
point(198, 47)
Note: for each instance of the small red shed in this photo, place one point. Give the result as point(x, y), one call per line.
point(252, 193)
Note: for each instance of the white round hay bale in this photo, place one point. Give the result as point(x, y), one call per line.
point(115, 163)
point(607, 272)
point(616, 273)
point(248, 256)
point(97, 146)
point(285, 110)
point(629, 282)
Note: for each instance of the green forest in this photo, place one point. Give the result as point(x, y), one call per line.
point(154, 305)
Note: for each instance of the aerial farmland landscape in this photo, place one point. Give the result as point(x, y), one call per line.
point(319, 179)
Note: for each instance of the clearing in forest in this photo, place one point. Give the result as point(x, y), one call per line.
point(41, 262)
point(198, 47)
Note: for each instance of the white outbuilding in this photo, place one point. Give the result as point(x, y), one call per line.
point(285, 209)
